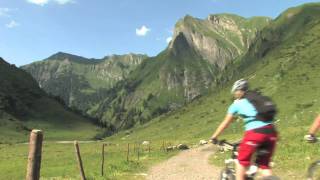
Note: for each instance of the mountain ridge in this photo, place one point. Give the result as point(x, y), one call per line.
point(80, 82)
point(25, 106)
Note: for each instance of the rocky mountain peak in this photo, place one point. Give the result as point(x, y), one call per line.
point(219, 38)
point(213, 19)
point(179, 44)
point(62, 56)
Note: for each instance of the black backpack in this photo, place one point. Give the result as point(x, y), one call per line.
point(266, 109)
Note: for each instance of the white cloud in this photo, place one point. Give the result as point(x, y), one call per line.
point(62, 2)
point(5, 12)
point(143, 31)
point(169, 39)
point(44, 2)
point(39, 2)
point(12, 24)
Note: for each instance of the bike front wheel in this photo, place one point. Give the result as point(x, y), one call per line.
point(227, 174)
point(314, 171)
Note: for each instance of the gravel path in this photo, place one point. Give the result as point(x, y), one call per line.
point(187, 165)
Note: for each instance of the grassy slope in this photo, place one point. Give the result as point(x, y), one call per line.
point(24, 106)
point(288, 72)
point(56, 122)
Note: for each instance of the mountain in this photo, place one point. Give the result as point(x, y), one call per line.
point(125, 90)
point(81, 82)
point(24, 106)
point(191, 66)
point(283, 62)
point(220, 38)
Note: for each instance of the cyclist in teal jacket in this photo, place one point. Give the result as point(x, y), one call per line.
point(257, 132)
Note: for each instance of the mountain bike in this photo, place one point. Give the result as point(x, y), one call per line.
point(314, 171)
point(229, 171)
point(314, 168)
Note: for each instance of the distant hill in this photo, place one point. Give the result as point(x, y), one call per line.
point(24, 106)
point(81, 82)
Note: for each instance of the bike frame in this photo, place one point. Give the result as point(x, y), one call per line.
point(231, 163)
point(312, 169)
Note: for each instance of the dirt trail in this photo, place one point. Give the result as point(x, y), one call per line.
point(188, 165)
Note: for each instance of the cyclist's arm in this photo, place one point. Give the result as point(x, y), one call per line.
point(315, 126)
point(225, 123)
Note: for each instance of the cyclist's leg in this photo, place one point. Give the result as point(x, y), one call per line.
point(246, 149)
point(315, 126)
point(240, 172)
point(264, 160)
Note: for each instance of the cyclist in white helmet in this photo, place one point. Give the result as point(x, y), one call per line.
point(259, 129)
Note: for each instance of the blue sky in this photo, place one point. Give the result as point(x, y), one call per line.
point(32, 30)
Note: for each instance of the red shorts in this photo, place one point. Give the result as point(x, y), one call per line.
point(265, 138)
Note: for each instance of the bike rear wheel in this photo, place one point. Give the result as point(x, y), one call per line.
point(314, 171)
point(227, 174)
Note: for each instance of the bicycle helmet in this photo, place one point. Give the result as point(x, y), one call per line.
point(241, 84)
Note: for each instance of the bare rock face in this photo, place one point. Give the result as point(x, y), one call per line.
point(113, 68)
point(219, 39)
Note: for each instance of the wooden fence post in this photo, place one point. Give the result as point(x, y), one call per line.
point(163, 148)
point(138, 152)
point(34, 158)
point(102, 164)
point(128, 151)
point(76, 145)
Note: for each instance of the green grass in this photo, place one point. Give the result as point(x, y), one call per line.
point(52, 118)
point(59, 161)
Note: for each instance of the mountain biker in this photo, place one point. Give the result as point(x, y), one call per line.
point(313, 130)
point(257, 132)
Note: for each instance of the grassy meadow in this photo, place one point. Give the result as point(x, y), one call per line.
point(59, 161)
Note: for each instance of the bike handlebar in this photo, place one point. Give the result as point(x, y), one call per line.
point(225, 143)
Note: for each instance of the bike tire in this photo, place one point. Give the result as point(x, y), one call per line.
point(313, 169)
point(227, 174)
